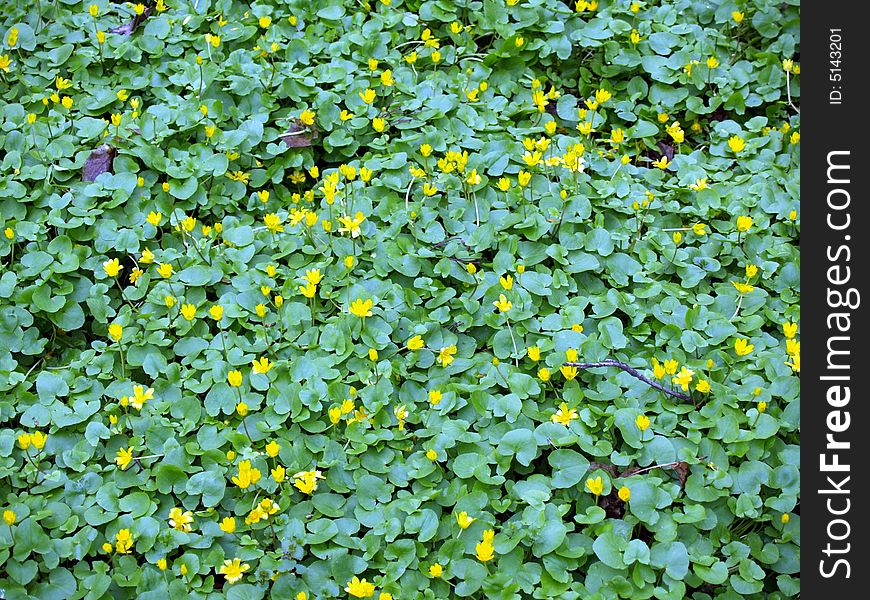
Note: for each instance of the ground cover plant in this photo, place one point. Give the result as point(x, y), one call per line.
point(399, 299)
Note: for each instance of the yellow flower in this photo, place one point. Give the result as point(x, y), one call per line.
point(38, 439)
point(216, 312)
point(712, 62)
point(123, 541)
point(116, 331)
point(234, 378)
point(273, 222)
point(62, 84)
point(306, 481)
point(307, 117)
point(233, 570)
point(112, 267)
point(642, 421)
point(368, 96)
point(736, 144)
point(188, 311)
point(262, 365)
point(596, 486)
point(5, 62)
point(684, 378)
point(484, 551)
point(351, 225)
point(789, 329)
point(228, 524)
point(379, 124)
point(446, 354)
point(24, 441)
point(180, 520)
point(567, 372)
point(742, 347)
point(272, 449)
point(308, 290)
point(703, 386)
point(12, 38)
point(534, 353)
point(624, 494)
point(436, 570)
point(334, 414)
point(502, 304)
point(124, 457)
point(523, 178)
point(359, 588)
point(463, 520)
point(564, 415)
point(432, 455)
point(165, 270)
point(246, 475)
point(415, 343)
point(141, 396)
point(361, 308)
point(699, 229)
point(744, 223)
point(9, 517)
point(242, 409)
point(278, 474)
point(435, 397)
point(154, 218)
point(662, 163)
point(373, 354)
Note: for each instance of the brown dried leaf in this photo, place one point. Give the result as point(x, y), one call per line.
point(667, 150)
point(299, 135)
point(100, 161)
point(130, 27)
point(682, 469)
point(609, 468)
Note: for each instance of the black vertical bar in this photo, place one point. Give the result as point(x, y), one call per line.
point(834, 257)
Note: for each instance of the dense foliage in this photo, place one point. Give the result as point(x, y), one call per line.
point(287, 291)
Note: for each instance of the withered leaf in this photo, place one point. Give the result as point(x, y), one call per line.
point(130, 27)
point(667, 150)
point(100, 161)
point(682, 469)
point(299, 135)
